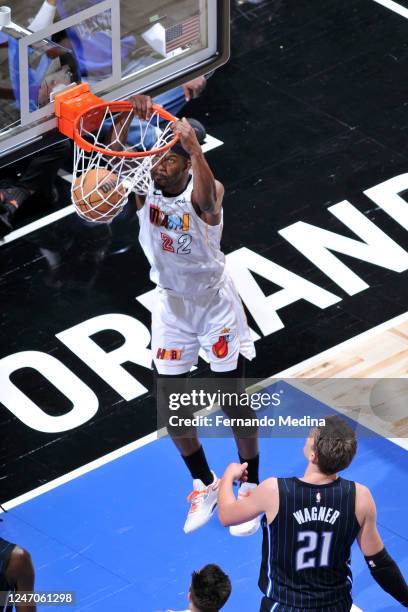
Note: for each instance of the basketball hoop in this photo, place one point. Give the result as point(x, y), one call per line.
point(106, 170)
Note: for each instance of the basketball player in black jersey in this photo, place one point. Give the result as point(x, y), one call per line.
point(309, 526)
point(16, 574)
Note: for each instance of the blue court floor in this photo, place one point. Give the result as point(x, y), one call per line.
point(114, 535)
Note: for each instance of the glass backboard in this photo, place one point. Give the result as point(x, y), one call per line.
point(119, 47)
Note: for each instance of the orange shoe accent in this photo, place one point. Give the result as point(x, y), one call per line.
point(192, 498)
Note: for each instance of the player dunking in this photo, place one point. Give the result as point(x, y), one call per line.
point(196, 304)
point(309, 526)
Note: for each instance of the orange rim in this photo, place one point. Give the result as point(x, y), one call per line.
point(122, 107)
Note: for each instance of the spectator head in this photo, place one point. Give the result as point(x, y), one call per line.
point(209, 590)
point(331, 447)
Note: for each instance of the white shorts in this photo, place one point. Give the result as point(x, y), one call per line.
point(215, 322)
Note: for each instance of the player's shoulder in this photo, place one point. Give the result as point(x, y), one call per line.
point(20, 557)
point(363, 491)
point(270, 484)
point(20, 566)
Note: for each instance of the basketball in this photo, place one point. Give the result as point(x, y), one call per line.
point(97, 195)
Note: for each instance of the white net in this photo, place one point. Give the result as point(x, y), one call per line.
point(102, 182)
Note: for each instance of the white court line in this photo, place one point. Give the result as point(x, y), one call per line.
point(327, 354)
point(373, 331)
point(128, 448)
point(84, 469)
point(35, 225)
point(210, 143)
point(393, 6)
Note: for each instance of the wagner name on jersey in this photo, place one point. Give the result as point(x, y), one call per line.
point(306, 548)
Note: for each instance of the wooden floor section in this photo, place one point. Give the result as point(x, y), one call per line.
point(365, 377)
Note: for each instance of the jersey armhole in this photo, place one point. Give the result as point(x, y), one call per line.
point(205, 224)
point(277, 510)
point(360, 526)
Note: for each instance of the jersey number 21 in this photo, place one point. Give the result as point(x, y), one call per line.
point(317, 546)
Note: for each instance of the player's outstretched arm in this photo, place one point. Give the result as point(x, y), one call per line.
point(263, 499)
point(207, 193)
point(382, 566)
point(117, 135)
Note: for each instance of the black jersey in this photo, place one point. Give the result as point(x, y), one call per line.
point(306, 548)
point(5, 552)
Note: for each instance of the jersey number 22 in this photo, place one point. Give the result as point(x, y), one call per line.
point(183, 244)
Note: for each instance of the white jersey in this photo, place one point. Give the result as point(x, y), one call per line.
point(183, 250)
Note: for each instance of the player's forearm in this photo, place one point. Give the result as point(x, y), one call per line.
point(44, 17)
point(387, 574)
point(117, 135)
point(205, 195)
point(226, 501)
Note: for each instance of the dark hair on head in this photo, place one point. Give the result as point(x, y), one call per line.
point(335, 445)
point(210, 588)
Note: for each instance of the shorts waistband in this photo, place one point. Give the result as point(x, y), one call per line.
point(208, 292)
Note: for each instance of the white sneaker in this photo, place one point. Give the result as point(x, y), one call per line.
point(249, 527)
point(203, 501)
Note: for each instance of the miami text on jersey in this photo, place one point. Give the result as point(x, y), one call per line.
point(173, 222)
